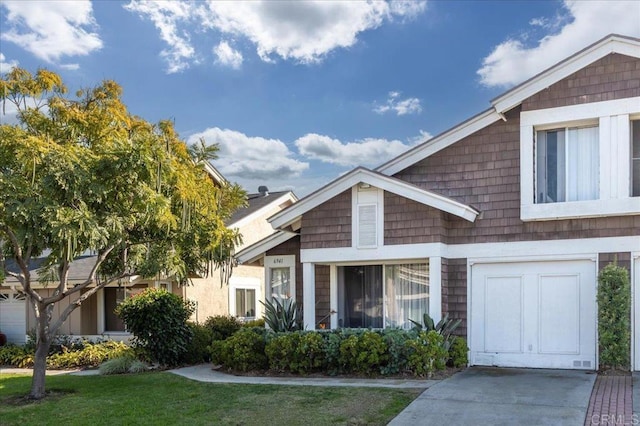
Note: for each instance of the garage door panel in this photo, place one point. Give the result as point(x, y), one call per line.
point(559, 314)
point(503, 314)
point(13, 317)
point(533, 314)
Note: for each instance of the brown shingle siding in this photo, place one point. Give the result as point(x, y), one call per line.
point(613, 77)
point(322, 296)
point(454, 292)
point(329, 224)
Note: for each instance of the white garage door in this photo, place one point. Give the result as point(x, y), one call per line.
point(534, 314)
point(13, 317)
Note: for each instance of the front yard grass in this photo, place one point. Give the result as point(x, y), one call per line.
point(164, 398)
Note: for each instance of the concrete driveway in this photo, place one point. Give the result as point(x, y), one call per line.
point(503, 396)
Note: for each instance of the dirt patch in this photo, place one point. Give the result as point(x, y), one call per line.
point(614, 372)
point(23, 400)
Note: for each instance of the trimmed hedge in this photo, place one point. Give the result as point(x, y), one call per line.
point(614, 317)
point(343, 351)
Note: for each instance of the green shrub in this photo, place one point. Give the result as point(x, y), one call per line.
point(426, 353)
point(222, 326)
point(91, 355)
point(254, 323)
point(138, 366)
point(445, 327)
point(397, 350)
point(614, 316)
point(198, 348)
point(244, 351)
point(282, 316)
point(364, 353)
point(158, 320)
point(332, 341)
point(458, 353)
point(118, 365)
point(298, 352)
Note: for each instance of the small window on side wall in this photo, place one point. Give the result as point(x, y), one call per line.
point(635, 158)
point(567, 165)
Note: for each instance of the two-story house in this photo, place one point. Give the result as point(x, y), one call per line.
point(502, 221)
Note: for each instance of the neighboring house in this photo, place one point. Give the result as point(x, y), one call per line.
point(240, 298)
point(96, 317)
point(503, 221)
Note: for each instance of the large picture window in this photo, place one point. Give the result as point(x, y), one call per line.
point(567, 166)
point(376, 296)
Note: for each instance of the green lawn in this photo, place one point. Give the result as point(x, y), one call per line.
point(164, 398)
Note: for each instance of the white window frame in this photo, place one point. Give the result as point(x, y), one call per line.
point(244, 283)
point(160, 284)
point(613, 119)
point(633, 159)
point(275, 262)
point(366, 195)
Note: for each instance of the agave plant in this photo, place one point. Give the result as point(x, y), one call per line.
point(445, 327)
point(282, 316)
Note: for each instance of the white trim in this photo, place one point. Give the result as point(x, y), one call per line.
point(502, 251)
point(257, 250)
point(289, 215)
point(215, 174)
point(333, 295)
point(610, 44)
point(435, 288)
point(439, 142)
point(375, 197)
point(289, 196)
point(614, 151)
point(283, 261)
point(309, 295)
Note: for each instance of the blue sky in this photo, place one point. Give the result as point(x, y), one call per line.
point(297, 93)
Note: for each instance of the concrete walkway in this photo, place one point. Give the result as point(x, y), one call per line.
point(204, 373)
point(503, 396)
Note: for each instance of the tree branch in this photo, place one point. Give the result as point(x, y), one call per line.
point(25, 276)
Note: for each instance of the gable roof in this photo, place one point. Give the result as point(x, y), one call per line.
point(256, 202)
point(292, 214)
point(613, 43)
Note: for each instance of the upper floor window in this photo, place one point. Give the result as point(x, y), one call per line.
point(635, 158)
point(567, 164)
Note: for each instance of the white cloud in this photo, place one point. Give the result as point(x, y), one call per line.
point(227, 55)
point(365, 152)
point(302, 31)
point(166, 16)
point(6, 66)
point(70, 67)
point(399, 106)
point(580, 24)
point(251, 157)
point(422, 137)
point(51, 29)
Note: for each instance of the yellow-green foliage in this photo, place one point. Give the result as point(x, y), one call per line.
point(427, 353)
point(365, 353)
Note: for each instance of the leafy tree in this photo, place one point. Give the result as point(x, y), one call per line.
point(82, 174)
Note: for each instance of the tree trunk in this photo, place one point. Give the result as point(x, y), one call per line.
point(39, 370)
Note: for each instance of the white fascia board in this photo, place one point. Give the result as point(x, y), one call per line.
point(396, 186)
point(612, 44)
point(501, 251)
point(254, 251)
point(439, 142)
point(289, 196)
point(215, 174)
